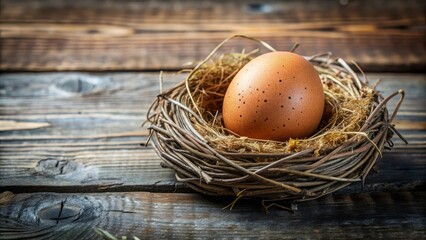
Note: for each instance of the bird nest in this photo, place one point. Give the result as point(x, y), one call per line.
point(187, 132)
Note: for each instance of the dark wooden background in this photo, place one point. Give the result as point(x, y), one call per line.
point(78, 77)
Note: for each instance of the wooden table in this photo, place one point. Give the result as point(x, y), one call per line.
point(77, 80)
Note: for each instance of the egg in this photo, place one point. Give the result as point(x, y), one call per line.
point(275, 96)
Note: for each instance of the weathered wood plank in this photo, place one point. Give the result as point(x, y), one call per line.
point(92, 143)
point(392, 215)
point(128, 35)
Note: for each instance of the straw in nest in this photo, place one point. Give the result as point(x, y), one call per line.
point(187, 133)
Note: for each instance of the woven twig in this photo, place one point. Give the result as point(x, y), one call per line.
point(295, 176)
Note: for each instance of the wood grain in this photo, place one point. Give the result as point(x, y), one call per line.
point(14, 125)
point(146, 35)
point(93, 141)
point(393, 215)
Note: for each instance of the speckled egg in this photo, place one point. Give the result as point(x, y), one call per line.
point(276, 96)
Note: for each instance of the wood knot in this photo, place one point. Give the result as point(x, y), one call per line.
point(53, 167)
point(259, 8)
point(51, 216)
point(78, 84)
point(60, 213)
point(66, 169)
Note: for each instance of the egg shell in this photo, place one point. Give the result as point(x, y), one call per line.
point(276, 96)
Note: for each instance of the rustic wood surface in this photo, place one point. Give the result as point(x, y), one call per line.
point(187, 216)
point(70, 138)
point(131, 35)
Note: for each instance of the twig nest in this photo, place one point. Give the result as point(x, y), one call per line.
point(188, 133)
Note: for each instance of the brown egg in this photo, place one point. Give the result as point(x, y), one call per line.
point(275, 96)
